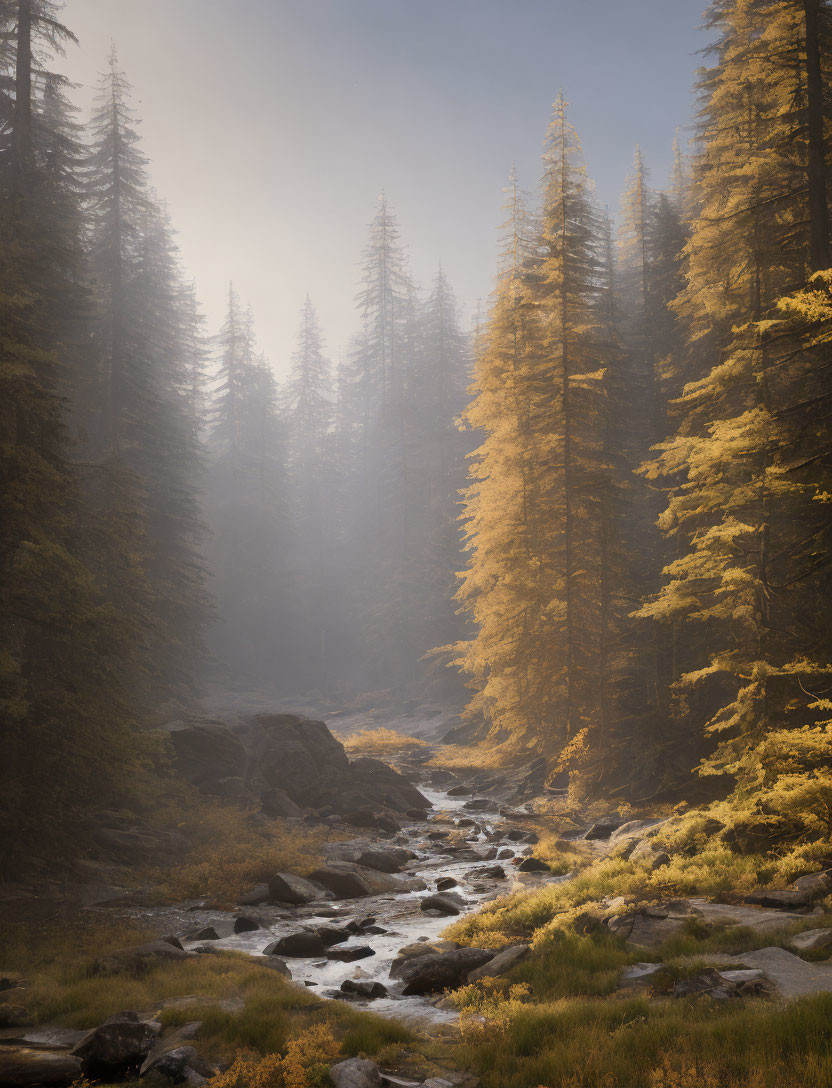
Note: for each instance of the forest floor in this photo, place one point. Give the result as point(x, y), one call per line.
point(644, 951)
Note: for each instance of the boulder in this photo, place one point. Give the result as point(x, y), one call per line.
point(288, 888)
point(117, 1046)
point(343, 881)
point(478, 804)
point(371, 778)
point(635, 829)
point(516, 834)
point(259, 894)
point(172, 939)
point(780, 898)
point(244, 923)
point(290, 762)
point(815, 885)
point(206, 752)
point(792, 976)
point(645, 853)
point(445, 883)
point(350, 955)
point(298, 756)
point(355, 1073)
point(534, 865)
point(232, 789)
point(730, 914)
point(48, 1038)
point(170, 1044)
point(331, 935)
point(364, 988)
point(391, 1080)
point(812, 940)
point(447, 903)
point(348, 880)
point(361, 925)
point(385, 860)
point(640, 974)
point(175, 1064)
point(489, 872)
point(211, 933)
point(24, 1065)
point(434, 973)
point(647, 930)
point(375, 821)
point(302, 944)
point(418, 950)
point(708, 982)
point(502, 962)
point(603, 828)
point(722, 985)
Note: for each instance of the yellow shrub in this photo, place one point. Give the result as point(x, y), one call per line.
point(684, 1073)
point(379, 741)
point(304, 1065)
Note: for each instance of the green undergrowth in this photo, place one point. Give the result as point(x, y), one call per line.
point(560, 1020)
point(241, 1004)
point(231, 850)
point(716, 874)
point(638, 1043)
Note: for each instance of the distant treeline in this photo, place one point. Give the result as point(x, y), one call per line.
point(168, 512)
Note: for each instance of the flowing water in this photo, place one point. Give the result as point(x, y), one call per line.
point(398, 914)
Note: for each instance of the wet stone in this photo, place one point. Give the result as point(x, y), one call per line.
point(349, 955)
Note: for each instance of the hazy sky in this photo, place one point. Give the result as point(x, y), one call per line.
point(272, 125)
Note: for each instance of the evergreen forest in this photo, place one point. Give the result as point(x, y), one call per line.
point(556, 570)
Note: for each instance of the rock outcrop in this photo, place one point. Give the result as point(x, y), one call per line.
point(289, 764)
point(117, 1046)
point(447, 970)
point(24, 1065)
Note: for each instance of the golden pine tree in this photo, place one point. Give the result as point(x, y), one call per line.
point(533, 512)
point(743, 514)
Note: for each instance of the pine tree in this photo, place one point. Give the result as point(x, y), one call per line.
point(438, 457)
point(142, 400)
point(533, 513)
point(65, 654)
point(247, 508)
point(377, 402)
point(735, 501)
point(309, 415)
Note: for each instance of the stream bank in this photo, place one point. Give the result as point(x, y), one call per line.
point(470, 847)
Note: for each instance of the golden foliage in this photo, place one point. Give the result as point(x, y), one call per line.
point(305, 1063)
point(230, 852)
point(380, 742)
point(702, 1073)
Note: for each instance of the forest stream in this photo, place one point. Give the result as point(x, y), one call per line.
point(395, 920)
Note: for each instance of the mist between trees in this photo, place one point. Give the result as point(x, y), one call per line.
point(628, 459)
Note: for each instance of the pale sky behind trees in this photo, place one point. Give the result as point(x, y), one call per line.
point(272, 125)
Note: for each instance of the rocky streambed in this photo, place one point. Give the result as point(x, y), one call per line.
point(363, 947)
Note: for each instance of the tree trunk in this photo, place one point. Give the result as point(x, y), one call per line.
point(23, 89)
point(816, 166)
